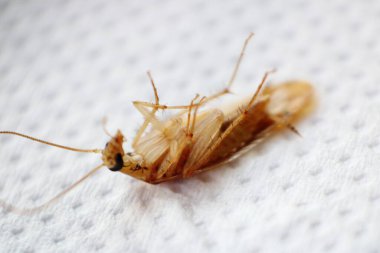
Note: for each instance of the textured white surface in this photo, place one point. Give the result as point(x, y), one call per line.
point(66, 64)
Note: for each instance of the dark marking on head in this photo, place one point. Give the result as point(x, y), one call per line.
point(119, 163)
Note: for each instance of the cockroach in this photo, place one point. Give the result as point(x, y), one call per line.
point(196, 139)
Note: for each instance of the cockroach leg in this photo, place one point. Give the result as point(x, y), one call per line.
point(237, 66)
point(195, 114)
point(188, 133)
point(161, 106)
point(149, 117)
point(156, 97)
point(257, 92)
point(153, 112)
point(227, 90)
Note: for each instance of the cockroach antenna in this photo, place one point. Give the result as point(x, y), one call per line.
point(24, 211)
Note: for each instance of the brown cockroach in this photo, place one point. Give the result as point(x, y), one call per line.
point(196, 140)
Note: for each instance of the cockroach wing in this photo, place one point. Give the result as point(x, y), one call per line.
point(153, 145)
point(290, 100)
point(177, 147)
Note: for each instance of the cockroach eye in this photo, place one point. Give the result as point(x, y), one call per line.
point(119, 163)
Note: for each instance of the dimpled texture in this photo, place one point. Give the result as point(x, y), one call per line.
point(64, 65)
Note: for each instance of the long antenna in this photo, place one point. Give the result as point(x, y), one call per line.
point(29, 211)
point(52, 144)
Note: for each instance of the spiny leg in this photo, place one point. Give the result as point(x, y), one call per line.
point(162, 107)
point(153, 112)
point(195, 114)
point(151, 118)
point(191, 126)
point(227, 89)
point(156, 123)
point(257, 92)
point(156, 97)
point(141, 107)
point(236, 69)
point(189, 115)
point(159, 125)
point(234, 72)
point(216, 95)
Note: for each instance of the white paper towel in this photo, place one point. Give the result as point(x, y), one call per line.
point(64, 65)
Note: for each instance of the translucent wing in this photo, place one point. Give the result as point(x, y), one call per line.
point(153, 145)
point(156, 144)
point(177, 146)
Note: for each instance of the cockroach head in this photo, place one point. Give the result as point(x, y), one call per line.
point(113, 153)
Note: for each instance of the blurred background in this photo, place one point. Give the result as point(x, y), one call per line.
point(64, 65)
